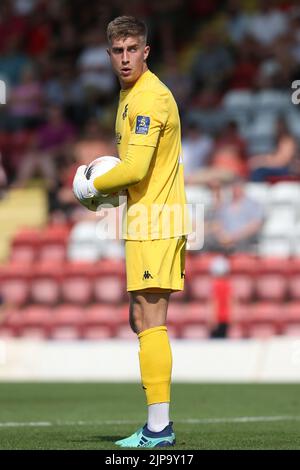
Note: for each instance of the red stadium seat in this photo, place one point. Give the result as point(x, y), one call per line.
point(178, 296)
point(240, 316)
point(262, 331)
point(124, 332)
point(76, 284)
point(294, 264)
point(270, 265)
point(77, 290)
point(200, 286)
point(27, 237)
point(197, 312)
point(243, 264)
point(236, 331)
point(199, 264)
point(14, 283)
point(242, 287)
point(35, 321)
point(291, 319)
point(106, 267)
point(17, 270)
point(109, 288)
point(11, 321)
point(53, 242)
point(23, 254)
point(264, 319)
point(109, 281)
point(271, 287)
point(53, 251)
point(294, 286)
point(66, 322)
point(15, 292)
point(195, 332)
point(195, 321)
point(46, 283)
point(99, 321)
point(265, 312)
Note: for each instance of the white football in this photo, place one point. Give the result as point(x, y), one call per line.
point(98, 167)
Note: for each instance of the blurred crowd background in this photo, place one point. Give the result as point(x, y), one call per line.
point(230, 65)
point(233, 68)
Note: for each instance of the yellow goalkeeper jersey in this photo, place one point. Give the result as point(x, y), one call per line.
point(148, 127)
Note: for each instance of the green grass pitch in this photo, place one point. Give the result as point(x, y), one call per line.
point(94, 415)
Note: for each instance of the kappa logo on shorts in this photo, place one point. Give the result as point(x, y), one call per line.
point(142, 125)
point(182, 275)
point(147, 275)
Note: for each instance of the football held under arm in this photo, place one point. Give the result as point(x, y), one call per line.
point(130, 171)
point(147, 117)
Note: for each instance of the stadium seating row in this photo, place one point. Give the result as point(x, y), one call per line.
point(193, 320)
point(107, 285)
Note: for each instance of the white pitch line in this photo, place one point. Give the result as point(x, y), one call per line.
point(241, 419)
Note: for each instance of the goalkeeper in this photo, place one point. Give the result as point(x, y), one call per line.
point(148, 136)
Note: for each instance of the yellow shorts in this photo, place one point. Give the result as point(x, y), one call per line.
point(155, 263)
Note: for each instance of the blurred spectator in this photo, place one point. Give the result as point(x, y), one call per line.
point(235, 224)
point(39, 34)
point(65, 89)
point(245, 69)
point(94, 142)
point(221, 298)
point(196, 148)
point(267, 24)
point(214, 63)
point(12, 61)
point(24, 7)
point(12, 24)
point(228, 159)
point(237, 21)
point(53, 141)
point(280, 162)
point(276, 70)
point(179, 83)
point(96, 75)
point(294, 29)
point(25, 106)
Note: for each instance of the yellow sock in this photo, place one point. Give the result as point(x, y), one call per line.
point(155, 364)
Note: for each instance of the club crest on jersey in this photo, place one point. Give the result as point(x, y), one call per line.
point(142, 125)
point(125, 112)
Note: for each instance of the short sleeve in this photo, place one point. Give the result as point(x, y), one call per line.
point(147, 116)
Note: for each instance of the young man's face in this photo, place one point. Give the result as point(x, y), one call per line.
point(128, 59)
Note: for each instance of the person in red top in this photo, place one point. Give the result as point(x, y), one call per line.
point(221, 297)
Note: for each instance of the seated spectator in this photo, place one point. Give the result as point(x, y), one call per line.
point(213, 64)
point(268, 23)
point(235, 224)
point(25, 105)
point(93, 143)
point(64, 89)
point(96, 75)
point(228, 159)
point(246, 66)
point(53, 141)
point(279, 163)
point(12, 60)
point(196, 148)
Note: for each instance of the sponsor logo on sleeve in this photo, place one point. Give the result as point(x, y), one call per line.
point(142, 125)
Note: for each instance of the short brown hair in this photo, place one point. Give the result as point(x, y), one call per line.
point(124, 27)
